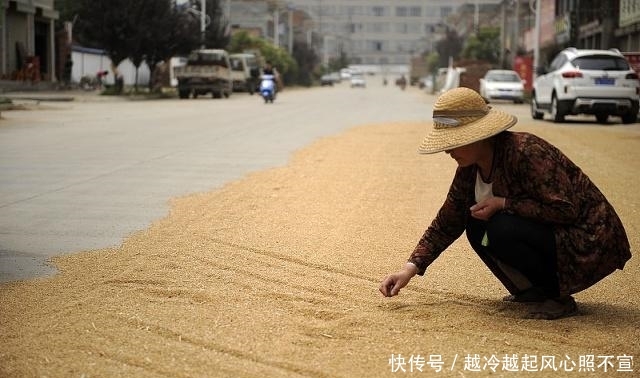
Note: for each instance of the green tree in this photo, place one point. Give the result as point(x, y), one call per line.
point(184, 37)
point(484, 46)
point(149, 30)
point(67, 9)
point(144, 16)
point(432, 62)
point(104, 24)
point(278, 57)
point(242, 41)
point(339, 63)
point(306, 61)
point(148, 42)
point(449, 47)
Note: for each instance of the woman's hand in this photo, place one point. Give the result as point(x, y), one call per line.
point(392, 284)
point(485, 209)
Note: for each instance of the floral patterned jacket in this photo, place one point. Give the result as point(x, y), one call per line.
point(541, 183)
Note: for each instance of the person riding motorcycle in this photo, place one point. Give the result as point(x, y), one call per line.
point(270, 70)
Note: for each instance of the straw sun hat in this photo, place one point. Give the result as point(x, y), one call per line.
point(461, 117)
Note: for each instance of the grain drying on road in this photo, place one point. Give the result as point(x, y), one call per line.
point(276, 275)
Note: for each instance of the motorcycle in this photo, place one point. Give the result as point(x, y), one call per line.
point(268, 88)
point(401, 82)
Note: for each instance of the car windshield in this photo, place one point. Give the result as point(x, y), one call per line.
point(503, 76)
point(236, 64)
point(202, 58)
point(601, 62)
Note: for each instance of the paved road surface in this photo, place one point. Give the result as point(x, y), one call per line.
point(83, 175)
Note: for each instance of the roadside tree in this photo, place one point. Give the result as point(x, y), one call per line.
point(145, 30)
point(449, 47)
point(279, 57)
point(483, 46)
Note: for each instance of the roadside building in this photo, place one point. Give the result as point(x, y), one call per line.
point(27, 40)
point(374, 32)
point(627, 32)
point(586, 24)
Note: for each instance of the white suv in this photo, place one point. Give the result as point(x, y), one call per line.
point(598, 82)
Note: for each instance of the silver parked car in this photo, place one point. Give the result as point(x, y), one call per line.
point(502, 85)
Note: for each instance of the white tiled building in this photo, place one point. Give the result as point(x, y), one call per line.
point(378, 32)
point(367, 31)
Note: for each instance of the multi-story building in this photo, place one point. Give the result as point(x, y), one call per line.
point(586, 24)
point(391, 31)
point(627, 32)
point(366, 31)
point(27, 43)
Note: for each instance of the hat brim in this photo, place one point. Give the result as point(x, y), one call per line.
point(447, 138)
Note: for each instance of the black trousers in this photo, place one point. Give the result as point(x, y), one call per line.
point(524, 246)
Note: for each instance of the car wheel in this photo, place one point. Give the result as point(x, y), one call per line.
point(557, 111)
point(183, 93)
point(630, 118)
point(535, 113)
point(602, 117)
point(632, 115)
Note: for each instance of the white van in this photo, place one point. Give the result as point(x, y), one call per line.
point(245, 72)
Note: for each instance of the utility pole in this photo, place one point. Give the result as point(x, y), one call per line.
point(290, 24)
point(3, 38)
point(227, 15)
point(203, 21)
point(503, 39)
point(516, 45)
point(536, 40)
point(276, 27)
point(476, 18)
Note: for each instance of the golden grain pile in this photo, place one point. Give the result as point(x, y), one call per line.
point(276, 275)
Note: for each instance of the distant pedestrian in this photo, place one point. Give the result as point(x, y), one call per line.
point(535, 219)
point(100, 78)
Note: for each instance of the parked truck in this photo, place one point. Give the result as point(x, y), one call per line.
point(206, 71)
point(245, 72)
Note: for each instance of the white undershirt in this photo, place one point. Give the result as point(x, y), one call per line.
point(483, 190)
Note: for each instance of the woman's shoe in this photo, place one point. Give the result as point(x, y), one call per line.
point(551, 309)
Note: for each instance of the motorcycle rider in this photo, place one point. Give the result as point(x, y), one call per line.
point(269, 69)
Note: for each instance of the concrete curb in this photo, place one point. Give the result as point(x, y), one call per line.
point(38, 97)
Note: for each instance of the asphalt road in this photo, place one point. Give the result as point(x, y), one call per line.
point(85, 174)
